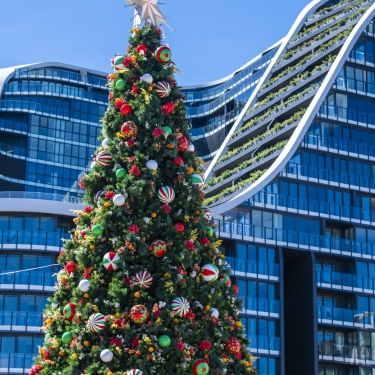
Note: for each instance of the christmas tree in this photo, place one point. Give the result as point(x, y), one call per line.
point(144, 288)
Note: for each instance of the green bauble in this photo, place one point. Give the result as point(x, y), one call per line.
point(167, 130)
point(164, 341)
point(97, 230)
point(209, 230)
point(120, 173)
point(120, 84)
point(67, 337)
point(47, 336)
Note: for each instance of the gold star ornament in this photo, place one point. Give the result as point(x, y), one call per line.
point(148, 11)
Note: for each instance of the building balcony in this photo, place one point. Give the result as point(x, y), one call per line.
point(345, 282)
point(311, 207)
point(20, 321)
point(31, 240)
point(15, 363)
point(250, 268)
point(264, 345)
point(41, 196)
point(28, 281)
point(345, 317)
point(294, 239)
point(260, 307)
point(329, 177)
point(348, 354)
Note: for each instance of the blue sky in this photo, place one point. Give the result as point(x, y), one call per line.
point(212, 37)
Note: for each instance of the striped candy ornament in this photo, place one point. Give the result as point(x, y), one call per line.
point(180, 306)
point(135, 371)
point(210, 272)
point(104, 158)
point(111, 261)
point(143, 279)
point(197, 180)
point(98, 195)
point(96, 322)
point(163, 89)
point(166, 194)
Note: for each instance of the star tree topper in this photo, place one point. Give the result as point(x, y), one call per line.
point(148, 11)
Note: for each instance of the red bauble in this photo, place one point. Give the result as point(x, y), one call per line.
point(183, 143)
point(168, 108)
point(142, 48)
point(35, 370)
point(180, 227)
point(110, 96)
point(236, 289)
point(126, 109)
point(71, 267)
point(178, 160)
point(233, 345)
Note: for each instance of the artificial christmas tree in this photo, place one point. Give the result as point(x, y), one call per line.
point(144, 288)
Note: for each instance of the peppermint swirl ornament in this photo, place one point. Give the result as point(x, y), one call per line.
point(180, 306)
point(166, 194)
point(163, 89)
point(135, 371)
point(118, 63)
point(138, 314)
point(98, 195)
point(143, 279)
point(111, 261)
point(210, 273)
point(96, 322)
point(104, 159)
point(197, 180)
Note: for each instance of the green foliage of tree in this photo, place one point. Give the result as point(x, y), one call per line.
point(126, 233)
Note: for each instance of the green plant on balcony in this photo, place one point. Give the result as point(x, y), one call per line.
point(331, 8)
point(274, 109)
point(310, 29)
point(261, 155)
point(292, 83)
point(306, 58)
point(321, 35)
point(253, 177)
point(278, 126)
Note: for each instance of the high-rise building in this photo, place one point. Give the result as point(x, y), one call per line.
point(291, 186)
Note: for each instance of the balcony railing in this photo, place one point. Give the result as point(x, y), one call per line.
point(339, 146)
point(260, 306)
point(264, 344)
point(31, 240)
point(252, 268)
point(345, 281)
point(15, 363)
point(31, 280)
point(345, 317)
point(21, 321)
point(61, 75)
point(354, 355)
point(328, 176)
point(294, 239)
point(306, 206)
point(21, 105)
point(42, 196)
point(61, 91)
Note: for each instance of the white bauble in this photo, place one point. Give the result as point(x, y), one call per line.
point(191, 148)
point(93, 164)
point(105, 144)
point(152, 164)
point(147, 78)
point(119, 200)
point(214, 313)
point(84, 285)
point(106, 355)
